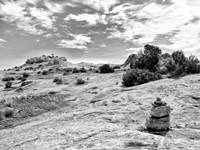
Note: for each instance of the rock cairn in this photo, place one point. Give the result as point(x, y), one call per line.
point(159, 116)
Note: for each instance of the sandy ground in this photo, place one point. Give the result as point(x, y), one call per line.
point(103, 115)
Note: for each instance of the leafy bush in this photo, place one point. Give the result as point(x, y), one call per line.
point(25, 75)
point(192, 65)
point(106, 69)
point(50, 70)
point(58, 80)
point(178, 72)
point(166, 55)
point(148, 59)
point(75, 70)
point(179, 57)
point(116, 67)
point(26, 83)
point(171, 66)
point(68, 69)
point(82, 70)
point(8, 79)
point(45, 72)
point(23, 79)
point(80, 81)
point(8, 85)
point(8, 112)
point(137, 76)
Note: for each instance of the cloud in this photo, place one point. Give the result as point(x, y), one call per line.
point(42, 17)
point(100, 5)
point(103, 45)
point(91, 19)
point(148, 21)
point(30, 16)
point(134, 50)
point(58, 7)
point(2, 42)
point(77, 42)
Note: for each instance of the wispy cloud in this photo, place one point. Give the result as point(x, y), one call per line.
point(2, 42)
point(77, 42)
point(91, 19)
point(28, 16)
point(100, 5)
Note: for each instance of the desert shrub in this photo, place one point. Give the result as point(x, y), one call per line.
point(80, 81)
point(68, 69)
point(166, 55)
point(8, 112)
point(179, 57)
point(39, 66)
point(52, 92)
point(58, 80)
point(25, 75)
point(178, 72)
point(137, 76)
point(82, 70)
point(26, 83)
point(38, 72)
point(66, 73)
point(149, 58)
point(8, 85)
point(8, 79)
point(28, 68)
point(23, 79)
point(171, 66)
point(50, 69)
point(96, 71)
point(75, 70)
point(45, 72)
point(192, 65)
point(56, 62)
point(106, 69)
point(116, 67)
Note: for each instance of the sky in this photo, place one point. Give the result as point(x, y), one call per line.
point(98, 31)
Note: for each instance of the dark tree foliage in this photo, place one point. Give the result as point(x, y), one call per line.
point(106, 69)
point(135, 77)
point(171, 66)
point(149, 59)
point(8, 85)
point(179, 57)
point(151, 50)
point(166, 55)
point(192, 65)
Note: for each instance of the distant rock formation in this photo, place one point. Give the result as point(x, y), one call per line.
point(129, 60)
point(44, 58)
point(160, 116)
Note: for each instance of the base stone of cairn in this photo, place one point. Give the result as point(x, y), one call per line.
point(159, 116)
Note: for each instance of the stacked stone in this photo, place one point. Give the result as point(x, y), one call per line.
point(159, 116)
